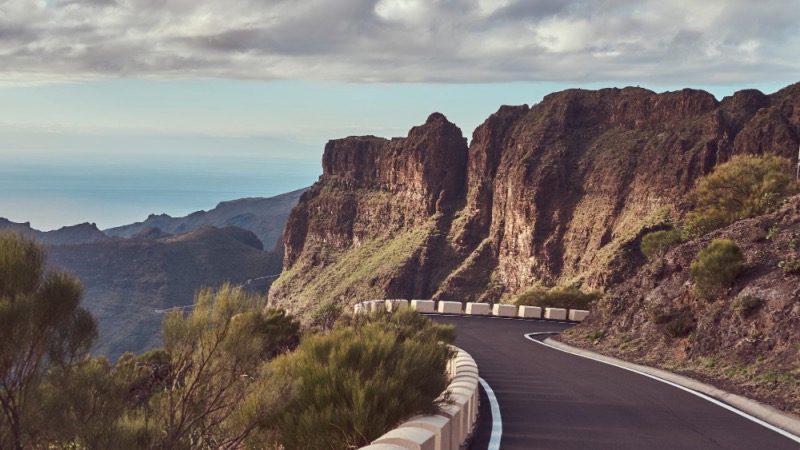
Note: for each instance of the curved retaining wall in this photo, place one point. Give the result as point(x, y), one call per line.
point(448, 430)
point(479, 309)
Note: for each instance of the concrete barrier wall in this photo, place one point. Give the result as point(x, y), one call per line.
point(578, 315)
point(504, 310)
point(555, 313)
point(478, 308)
point(422, 305)
point(534, 312)
point(396, 305)
point(453, 426)
point(472, 308)
point(450, 307)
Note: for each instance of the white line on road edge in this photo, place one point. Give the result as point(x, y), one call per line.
point(497, 422)
point(683, 388)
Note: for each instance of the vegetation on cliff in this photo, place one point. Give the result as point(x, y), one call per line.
point(744, 187)
point(558, 193)
point(732, 318)
point(233, 373)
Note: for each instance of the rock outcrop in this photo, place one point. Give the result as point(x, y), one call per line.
point(746, 341)
point(554, 193)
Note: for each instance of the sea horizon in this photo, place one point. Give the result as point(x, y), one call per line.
point(111, 195)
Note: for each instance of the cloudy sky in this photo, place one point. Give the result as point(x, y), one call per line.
point(261, 80)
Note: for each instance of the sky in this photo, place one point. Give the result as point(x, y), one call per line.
point(114, 109)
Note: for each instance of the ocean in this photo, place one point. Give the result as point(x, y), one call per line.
point(108, 193)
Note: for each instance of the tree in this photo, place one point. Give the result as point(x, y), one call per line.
point(219, 391)
point(743, 187)
point(43, 327)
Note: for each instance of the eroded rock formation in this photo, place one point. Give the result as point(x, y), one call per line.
point(558, 192)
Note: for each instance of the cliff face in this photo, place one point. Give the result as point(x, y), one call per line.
point(756, 355)
point(558, 192)
point(374, 222)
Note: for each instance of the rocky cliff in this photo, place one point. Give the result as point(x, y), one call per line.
point(747, 342)
point(553, 193)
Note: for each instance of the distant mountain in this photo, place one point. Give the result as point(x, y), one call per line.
point(127, 280)
point(84, 233)
point(137, 269)
point(265, 217)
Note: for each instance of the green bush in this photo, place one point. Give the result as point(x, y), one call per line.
point(326, 316)
point(743, 187)
point(716, 267)
point(790, 267)
point(745, 305)
point(656, 243)
point(680, 322)
point(569, 297)
point(356, 383)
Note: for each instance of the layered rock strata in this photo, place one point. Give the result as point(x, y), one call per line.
point(559, 192)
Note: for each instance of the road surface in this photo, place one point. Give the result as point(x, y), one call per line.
point(554, 400)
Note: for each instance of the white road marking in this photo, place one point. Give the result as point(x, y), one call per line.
point(683, 388)
point(497, 421)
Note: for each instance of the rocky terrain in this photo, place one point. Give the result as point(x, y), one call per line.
point(127, 280)
point(559, 192)
point(752, 348)
point(265, 217)
point(159, 263)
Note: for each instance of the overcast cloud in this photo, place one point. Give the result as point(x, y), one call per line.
point(664, 41)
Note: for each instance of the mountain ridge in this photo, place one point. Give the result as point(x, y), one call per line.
point(558, 192)
point(265, 216)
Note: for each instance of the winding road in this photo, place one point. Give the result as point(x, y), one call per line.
point(555, 400)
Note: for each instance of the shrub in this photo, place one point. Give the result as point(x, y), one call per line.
point(681, 322)
point(656, 243)
point(772, 232)
point(218, 390)
point(557, 297)
point(746, 304)
point(356, 383)
point(790, 267)
point(716, 267)
point(743, 187)
point(326, 316)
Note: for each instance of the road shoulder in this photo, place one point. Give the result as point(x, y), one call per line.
point(779, 419)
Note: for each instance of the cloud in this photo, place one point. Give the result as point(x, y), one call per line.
point(676, 42)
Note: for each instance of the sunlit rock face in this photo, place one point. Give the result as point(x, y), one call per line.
point(554, 193)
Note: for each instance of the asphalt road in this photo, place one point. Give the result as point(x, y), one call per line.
point(554, 400)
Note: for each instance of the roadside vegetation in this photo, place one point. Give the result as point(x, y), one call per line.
point(713, 302)
point(715, 268)
point(233, 373)
point(742, 188)
point(568, 297)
